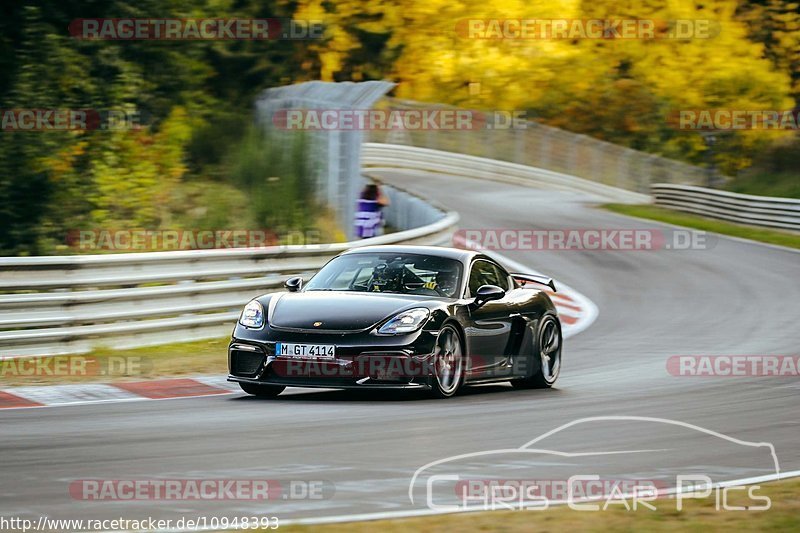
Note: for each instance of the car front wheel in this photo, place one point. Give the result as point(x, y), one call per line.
point(448, 363)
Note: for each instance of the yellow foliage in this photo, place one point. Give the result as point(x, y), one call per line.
point(136, 173)
point(554, 78)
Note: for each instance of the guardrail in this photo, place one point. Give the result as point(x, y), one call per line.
point(534, 144)
point(379, 155)
point(782, 213)
point(71, 304)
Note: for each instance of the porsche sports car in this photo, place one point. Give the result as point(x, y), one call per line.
point(400, 317)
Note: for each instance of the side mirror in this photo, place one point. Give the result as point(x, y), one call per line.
point(294, 284)
point(487, 293)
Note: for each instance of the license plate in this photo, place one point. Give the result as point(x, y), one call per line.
point(310, 351)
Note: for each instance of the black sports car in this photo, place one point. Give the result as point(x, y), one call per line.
point(400, 317)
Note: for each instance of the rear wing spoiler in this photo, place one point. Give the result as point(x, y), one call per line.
point(535, 278)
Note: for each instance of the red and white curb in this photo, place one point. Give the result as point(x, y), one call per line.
point(124, 391)
point(576, 311)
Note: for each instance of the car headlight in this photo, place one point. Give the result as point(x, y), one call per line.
point(253, 315)
point(406, 322)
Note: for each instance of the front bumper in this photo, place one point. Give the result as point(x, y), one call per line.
point(363, 360)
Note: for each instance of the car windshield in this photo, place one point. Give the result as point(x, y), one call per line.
point(396, 273)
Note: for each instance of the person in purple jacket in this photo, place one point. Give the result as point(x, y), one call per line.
point(369, 211)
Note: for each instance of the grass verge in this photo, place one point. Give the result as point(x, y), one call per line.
point(697, 515)
point(105, 365)
point(770, 236)
point(766, 183)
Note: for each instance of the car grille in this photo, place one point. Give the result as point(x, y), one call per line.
point(246, 360)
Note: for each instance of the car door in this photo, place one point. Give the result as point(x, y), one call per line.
point(490, 329)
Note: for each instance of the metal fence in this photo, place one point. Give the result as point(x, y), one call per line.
point(53, 305)
point(783, 213)
point(393, 156)
point(544, 147)
point(335, 154)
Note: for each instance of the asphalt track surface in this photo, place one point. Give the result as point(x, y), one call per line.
point(734, 298)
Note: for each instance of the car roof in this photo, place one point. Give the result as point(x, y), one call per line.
point(438, 251)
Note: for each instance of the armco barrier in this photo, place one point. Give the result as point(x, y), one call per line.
point(533, 144)
point(71, 304)
point(377, 155)
point(783, 213)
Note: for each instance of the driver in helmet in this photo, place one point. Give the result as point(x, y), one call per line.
point(447, 282)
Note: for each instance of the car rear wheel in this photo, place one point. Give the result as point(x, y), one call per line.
point(548, 348)
point(262, 391)
point(448, 363)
